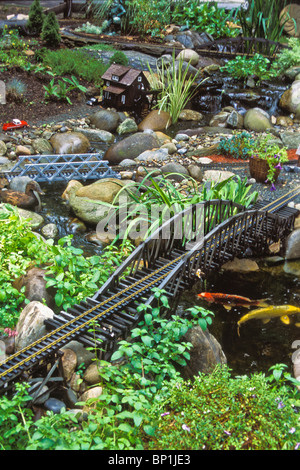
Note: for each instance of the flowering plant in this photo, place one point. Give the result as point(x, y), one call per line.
point(263, 149)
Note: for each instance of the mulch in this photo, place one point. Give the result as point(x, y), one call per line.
point(216, 158)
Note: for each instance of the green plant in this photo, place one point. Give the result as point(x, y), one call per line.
point(290, 56)
point(221, 412)
point(262, 20)
point(237, 146)
point(176, 87)
point(60, 91)
point(207, 16)
point(35, 18)
point(75, 62)
point(119, 58)
point(15, 89)
point(50, 30)
point(242, 67)
point(271, 153)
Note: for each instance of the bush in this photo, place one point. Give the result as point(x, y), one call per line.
point(220, 412)
point(36, 18)
point(118, 58)
point(50, 30)
point(242, 67)
point(289, 57)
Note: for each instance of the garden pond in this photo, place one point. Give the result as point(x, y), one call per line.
point(258, 346)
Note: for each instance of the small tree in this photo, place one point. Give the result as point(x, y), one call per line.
point(36, 18)
point(50, 30)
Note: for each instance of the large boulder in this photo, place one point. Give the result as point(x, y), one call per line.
point(86, 200)
point(156, 120)
point(257, 120)
point(30, 326)
point(70, 142)
point(290, 99)
point(205, 354)
point(105, 119)
point(130, 147)
point(292, 245)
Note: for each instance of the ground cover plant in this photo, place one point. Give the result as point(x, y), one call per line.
point(71, 274)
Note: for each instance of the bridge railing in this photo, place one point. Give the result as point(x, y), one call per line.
point(176, 235)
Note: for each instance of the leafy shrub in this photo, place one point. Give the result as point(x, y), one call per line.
point(220, 412)
point(237, 146)
point(242, 67)
point(35, 18)
point(206, 17)
point(50, 30)
point(289, 57)
point(118, 58)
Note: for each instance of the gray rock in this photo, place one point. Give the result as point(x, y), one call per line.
point(49, 231)
point(30, 326)
point(180, 171)
point(128, 126)
point(55, 405)
point(105, 119)
point(257, 120)
point(41, 146)
point(3, 148)
point(130, 147)
point(158, 155)
point(96, 135)
point(205, 354)
point(292, 245)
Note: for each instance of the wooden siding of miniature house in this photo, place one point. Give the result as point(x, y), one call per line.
point(124, 87)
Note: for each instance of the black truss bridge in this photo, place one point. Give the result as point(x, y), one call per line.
point(189, 246)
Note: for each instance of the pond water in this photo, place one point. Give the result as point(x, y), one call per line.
point(258, 346)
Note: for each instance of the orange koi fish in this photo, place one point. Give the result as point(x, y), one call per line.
point(228, 301)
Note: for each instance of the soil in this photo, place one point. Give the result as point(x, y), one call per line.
point(33, 108)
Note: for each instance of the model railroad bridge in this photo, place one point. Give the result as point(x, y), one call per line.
point(192, 244)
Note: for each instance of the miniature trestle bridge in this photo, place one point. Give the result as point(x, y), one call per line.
point(192, 244)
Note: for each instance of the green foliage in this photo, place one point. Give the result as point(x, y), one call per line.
point(72, 275)
point(92, 28)
point(75, 62)
point(60, 90)
point(242, 67)
point(176, 87)
point(237, 146)
point(119, 58)
point(262, 20)
point(206, 17)
point(272, 153)
point(220, 412)
point(146, 16)
point(50, 30)
point(36, 18)
point(289, 57)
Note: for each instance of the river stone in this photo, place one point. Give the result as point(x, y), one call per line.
point(49, 230)
point(104, 190)
point(130, 147)
point(69, 363)
point(3, 148)
point(155, 120)
point(180, 171)
point(292, 245)
point(217, 175)
point(190, 115)
point(22, 150)
point(96, 135)
point(105, 119)
point(128, 126)
point(72, 186)
point(291, 139)
point(54, 405)
point(241, 265)
point(188, 55)
point(93, 392)
point(41, 146)
point(257, 120)
point(205, 354)
point(158, 155)
point(70, 142)
point(30, 326)
point(83, 355)
point(290, 99)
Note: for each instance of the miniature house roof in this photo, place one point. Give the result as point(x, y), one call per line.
point(126, 75)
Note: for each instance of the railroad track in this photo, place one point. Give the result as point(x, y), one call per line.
point(102, 320)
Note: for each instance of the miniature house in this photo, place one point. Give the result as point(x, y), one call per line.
point(124, 87)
